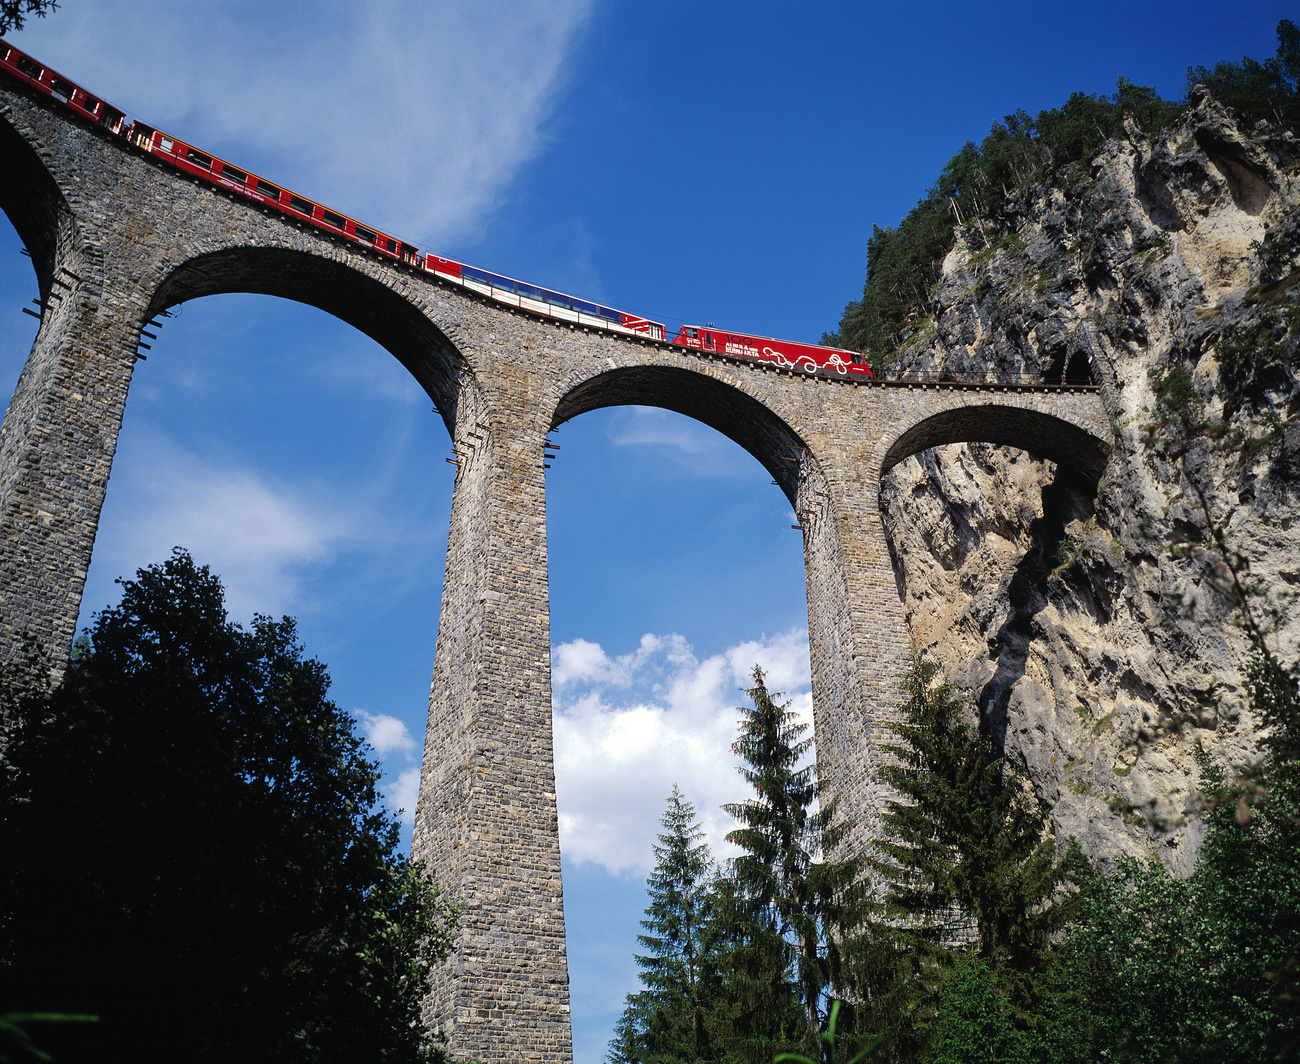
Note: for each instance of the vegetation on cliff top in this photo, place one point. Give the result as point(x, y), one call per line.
point(979, 185)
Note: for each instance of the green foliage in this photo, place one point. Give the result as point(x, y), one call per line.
point(1250, 356)
point(14, 1038)
point(194, 853)
point(827, 1054)
point(1200, 969)
point(1259, 91)
point(965, 844)
point(974, 1022)
point(981, 182)
point(789, 905)
point(1279, 250)
point(1174, 390)
point(975, 189)
point(13, 13)
point(672, 1019)
point(965, 855)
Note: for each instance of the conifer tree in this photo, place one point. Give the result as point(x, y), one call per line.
point(670, 1019)
point(791, 905)
point(966, 854)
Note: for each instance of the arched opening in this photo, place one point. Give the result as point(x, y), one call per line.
point(21, 289)
point(1043, 434)
point(304, 464)
point(673, 569)
point(32, 202)
point(359, 299)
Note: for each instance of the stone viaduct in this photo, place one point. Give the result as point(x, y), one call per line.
point(115, 239)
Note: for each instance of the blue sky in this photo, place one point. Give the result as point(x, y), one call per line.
point(689, 161)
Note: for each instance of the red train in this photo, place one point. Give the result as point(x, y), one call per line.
point(544, 302)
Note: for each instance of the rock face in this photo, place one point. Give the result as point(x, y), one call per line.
point(1091, 623)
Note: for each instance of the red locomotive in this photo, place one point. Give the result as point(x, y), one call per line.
point(810, 358)
point(544, 302)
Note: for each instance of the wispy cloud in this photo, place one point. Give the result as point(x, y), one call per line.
point(255, 533)
point(630, 726)
point(413, 114)
point(393, 742)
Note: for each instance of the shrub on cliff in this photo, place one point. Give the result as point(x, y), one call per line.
point(193, 850)
point(979, 183)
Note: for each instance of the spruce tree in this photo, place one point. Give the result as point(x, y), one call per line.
point(966, 858)
point(790, 904)
point(670, 1019)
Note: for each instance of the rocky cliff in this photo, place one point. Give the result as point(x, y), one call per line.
point(1090, 622)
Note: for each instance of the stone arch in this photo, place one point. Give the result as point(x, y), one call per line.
point(1031, 430)
point(34, 203)
point(737, 415)
point(366, 303)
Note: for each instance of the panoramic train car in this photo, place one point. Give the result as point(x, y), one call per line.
point(784, 353)
point(542, 301)
point(531, 298)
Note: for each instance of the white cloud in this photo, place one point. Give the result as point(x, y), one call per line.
point(388, 735)
point(252, 532)
point(628, 728)
point(651, 425)
point(401, 794)
point(412, 114)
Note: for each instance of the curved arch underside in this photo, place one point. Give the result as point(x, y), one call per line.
point(32, 201)
point(739, 417)
point(393, 322)
point(1040, 434)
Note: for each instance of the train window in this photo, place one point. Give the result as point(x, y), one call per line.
point(557, 299)
point(267, 189)
point(857, 359)
point(368, 235)
point(233, 173)
point(694, 334)
point(61, 87)
point(336, 220)
point(391, 244)
point(473, 274)
point(301, 205)
point(199, 158)
point(28, 66)
point(91, 104)
point(497, 281)
point(528, 290)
